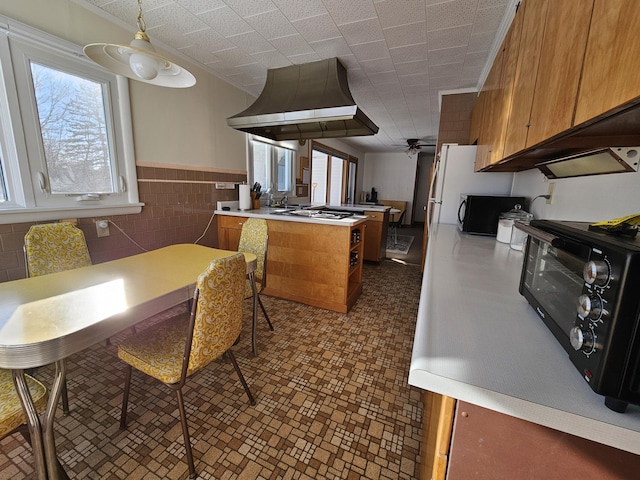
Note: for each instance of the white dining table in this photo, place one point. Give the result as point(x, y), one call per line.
point(45, 319)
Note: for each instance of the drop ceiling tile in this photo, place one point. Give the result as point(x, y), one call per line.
point(413, 67)
point(445, 83)
point(406, 35)
point(253, 7)
point(378, 65)
point(364, 31)
point(451, 14)
point(350, 11)
point(446, 55)
point(475, 59)
point(393, 13)
point(225, 21)
point(200, 6)
point(413, 90)
point(304, 58)
point(291, 45)
point(251, 42)
point(273, 59)
point(384, 78)
point(320, 27)
point(414, 80)
point(447, 70)
point(482, 4)
point(271, 24)
point(333, 47)
point(409, 53)
point(175, 17)
point(291, 8)
point(208, 39)
point(370, 51)
point(481, 42)
point(199, 54)
point(488, 19)
point(449, 37)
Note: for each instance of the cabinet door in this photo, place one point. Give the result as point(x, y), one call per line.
point(610, 74)
point(476, 119)
point(372, 240)
point(533, 14)
point(563, 48)
point(229, 230)
point(499, 86)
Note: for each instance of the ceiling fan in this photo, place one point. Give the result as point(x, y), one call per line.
point(415, 145)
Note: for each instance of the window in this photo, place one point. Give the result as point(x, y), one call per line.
point(66, 146)
point(333, 176)
point(272, 167)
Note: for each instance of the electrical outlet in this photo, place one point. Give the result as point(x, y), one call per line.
point(102, 228)
point(552, 187)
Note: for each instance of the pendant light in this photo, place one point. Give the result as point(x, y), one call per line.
point(139, 60)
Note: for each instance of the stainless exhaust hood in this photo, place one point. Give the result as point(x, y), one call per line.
point(305, 101)
point(593, 162)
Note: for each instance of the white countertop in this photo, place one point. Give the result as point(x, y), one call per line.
point(478, 340)
point(267, 214)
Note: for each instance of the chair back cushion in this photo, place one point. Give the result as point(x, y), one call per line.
point(218, 319)
point(11, 413)
point(253, 239)
point(55, 247)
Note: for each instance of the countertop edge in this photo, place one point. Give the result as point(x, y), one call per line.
point(451, 357)
point(264, 214)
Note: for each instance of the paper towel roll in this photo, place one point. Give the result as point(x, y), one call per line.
point(245, 197)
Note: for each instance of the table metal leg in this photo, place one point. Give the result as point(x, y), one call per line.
point(53, 467)
point(255, 314)
point(33, 422)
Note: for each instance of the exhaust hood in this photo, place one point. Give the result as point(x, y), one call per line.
point(306, 101)
point(593, 162)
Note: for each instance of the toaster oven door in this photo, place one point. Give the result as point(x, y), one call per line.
point(552, 282)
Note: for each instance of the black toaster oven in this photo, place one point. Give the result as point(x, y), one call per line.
point(585, 286)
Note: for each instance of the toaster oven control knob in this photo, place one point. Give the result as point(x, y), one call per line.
point(596, 272)
point(581, 340)
point(589, 307)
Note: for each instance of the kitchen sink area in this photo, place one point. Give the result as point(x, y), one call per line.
point(312, 212)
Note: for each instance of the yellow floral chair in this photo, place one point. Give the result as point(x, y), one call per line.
point(254, 239)
point(51, 248)
point(177, 348)
point(55, 247)
point(12, 418)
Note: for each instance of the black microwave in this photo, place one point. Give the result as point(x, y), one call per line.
point(479, 214)
point(584, 286)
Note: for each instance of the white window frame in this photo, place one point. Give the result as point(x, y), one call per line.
point(273, 167)
point(21, 154)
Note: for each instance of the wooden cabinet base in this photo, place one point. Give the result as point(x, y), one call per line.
point(310, 263)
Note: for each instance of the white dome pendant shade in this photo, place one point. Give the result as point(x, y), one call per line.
point(139, 60)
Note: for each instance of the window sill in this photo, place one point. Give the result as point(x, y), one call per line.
point(40, 214)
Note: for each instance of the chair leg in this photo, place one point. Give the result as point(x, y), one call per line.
point(65, 398)
point(125, 397)
point(265, 313)
point(229, 353)
point(185, 434)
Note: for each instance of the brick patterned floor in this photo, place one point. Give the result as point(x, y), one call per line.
point(331, 392)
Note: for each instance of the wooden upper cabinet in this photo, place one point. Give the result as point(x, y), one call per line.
point(563, 49)
point(476, 119)
point(533, 13)
point(497, 104)
point(610, 74)
point(490, 111)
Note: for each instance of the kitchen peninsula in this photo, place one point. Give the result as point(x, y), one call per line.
point(478, 341)
point(313, 257)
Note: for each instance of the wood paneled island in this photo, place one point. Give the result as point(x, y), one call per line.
point(315, 261)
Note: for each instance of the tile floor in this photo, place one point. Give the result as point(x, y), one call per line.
point(331, 391)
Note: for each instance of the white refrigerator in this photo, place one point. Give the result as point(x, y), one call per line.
point(454, 175)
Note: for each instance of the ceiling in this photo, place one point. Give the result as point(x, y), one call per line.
point(399, 53)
